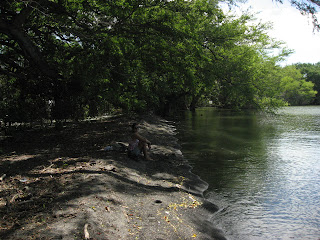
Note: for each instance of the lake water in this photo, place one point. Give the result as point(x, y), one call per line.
point(263, 170)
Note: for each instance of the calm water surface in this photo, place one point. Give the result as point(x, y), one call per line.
point(263, 171)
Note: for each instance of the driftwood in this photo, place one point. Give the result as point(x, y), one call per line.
point(86, 232)
point(2, 177)
point(46, 168)
point(13, 199)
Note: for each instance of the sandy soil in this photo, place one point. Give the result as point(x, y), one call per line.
point(63, 185)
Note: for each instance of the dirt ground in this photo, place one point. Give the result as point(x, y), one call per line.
point(62, 184)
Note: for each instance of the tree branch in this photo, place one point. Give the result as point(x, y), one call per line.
point(16, 32)
point(21, 18)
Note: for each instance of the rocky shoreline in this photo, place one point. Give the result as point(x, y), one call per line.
point(63, 185)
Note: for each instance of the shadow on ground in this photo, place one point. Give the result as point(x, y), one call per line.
point(61, 184)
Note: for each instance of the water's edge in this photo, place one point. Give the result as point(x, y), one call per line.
point(198, 187)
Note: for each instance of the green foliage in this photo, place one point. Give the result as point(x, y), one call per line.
point(311, 73)
point(74, 59)
point(296, 90)
point(242, 67)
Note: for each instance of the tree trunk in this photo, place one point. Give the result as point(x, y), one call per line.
point(30, 51)
point(194, 101)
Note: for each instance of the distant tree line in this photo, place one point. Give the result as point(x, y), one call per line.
point(67, 59)
point(310, 75)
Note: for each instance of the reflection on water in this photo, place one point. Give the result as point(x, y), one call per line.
point(263, 171)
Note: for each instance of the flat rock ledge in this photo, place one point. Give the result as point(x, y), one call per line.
point(73, 189)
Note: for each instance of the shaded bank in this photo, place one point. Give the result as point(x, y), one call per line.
point(62, 185)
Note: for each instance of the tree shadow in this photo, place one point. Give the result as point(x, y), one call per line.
point(73, 155)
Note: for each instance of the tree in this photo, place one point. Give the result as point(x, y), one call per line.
point(238, 50)
point(92, 52)
point(70, 59)
point(311, 73)
point(296, 90)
